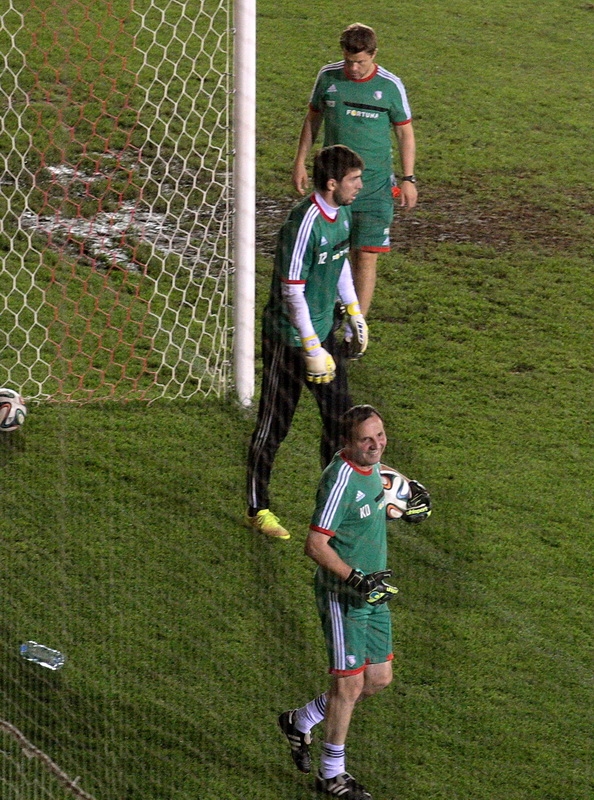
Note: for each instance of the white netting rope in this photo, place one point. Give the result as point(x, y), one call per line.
point(115, 198)
point(32, 772)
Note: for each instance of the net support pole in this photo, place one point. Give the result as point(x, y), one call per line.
point(244, 126)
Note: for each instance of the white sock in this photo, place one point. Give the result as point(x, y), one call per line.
point(309, 715)
point(333, 760)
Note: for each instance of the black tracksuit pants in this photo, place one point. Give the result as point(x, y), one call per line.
point(282, 381)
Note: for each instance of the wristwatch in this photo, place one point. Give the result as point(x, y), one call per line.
point(409, 178)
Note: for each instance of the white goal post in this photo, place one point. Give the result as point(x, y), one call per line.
point(127, 199)
point(244, 126)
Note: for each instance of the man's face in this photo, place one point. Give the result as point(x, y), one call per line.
point(368, 443)
point(358, 66)
point(344, 193)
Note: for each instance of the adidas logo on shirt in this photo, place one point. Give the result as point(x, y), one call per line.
point(360, 496)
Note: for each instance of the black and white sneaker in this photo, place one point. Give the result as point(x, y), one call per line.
point(343, 786)
point(298, 742)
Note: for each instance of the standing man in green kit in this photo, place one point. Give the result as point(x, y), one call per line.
point(311, 268)
point(347, 540)
point(360, 103)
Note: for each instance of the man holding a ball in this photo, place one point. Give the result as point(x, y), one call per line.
point(347, 540)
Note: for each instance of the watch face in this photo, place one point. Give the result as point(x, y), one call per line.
point(410, 178)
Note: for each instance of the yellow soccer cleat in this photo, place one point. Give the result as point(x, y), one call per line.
point(267, 522)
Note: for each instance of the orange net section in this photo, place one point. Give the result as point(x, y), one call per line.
point(115, 197)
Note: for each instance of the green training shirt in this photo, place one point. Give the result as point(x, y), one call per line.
point(311, 249)
point(350, 509)
point(360, 115)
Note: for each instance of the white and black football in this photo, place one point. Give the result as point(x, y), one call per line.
point(396, 491)
point(12, 410)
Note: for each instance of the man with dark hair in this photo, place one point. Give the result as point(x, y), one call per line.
point(360, 103)
point(358, 38)
point(298, 347)
point(334, 163)
point(347, 540)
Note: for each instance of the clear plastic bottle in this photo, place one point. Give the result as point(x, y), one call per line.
point(40, 654)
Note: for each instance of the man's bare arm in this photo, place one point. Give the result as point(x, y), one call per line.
point(405, 136)
point(309, 132)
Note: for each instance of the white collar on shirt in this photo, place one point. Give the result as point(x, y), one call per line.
point(329, 211)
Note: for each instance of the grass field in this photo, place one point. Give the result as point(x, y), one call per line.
point(120, 526)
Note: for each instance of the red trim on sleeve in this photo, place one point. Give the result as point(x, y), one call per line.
point(321, 530)
point(375, 249)
point(406, 122)
point(286, 280)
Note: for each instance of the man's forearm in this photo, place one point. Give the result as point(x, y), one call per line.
point(406, 147)
point(309, 133)
point(319, 550)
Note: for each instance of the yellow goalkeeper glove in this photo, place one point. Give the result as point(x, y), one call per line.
point(319, 364)
point(358, 326)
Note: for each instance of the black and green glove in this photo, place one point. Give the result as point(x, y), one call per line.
point(418, 505)
point(373, 586)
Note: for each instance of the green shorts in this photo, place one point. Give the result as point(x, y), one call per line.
point(372, 218)
point(356, 634)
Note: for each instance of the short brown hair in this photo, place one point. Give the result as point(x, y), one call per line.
point(334, 163)
point(358, 38)
point(351, 419)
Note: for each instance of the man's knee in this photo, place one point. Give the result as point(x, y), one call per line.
point(377, 677)
point(382, 682)
point(347, 688)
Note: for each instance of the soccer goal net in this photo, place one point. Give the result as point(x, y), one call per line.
point(115, 198)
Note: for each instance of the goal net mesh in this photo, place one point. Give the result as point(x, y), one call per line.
point(115, 197)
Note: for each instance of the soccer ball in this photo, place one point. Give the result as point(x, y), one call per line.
point(12, 410)
point(396, 491)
